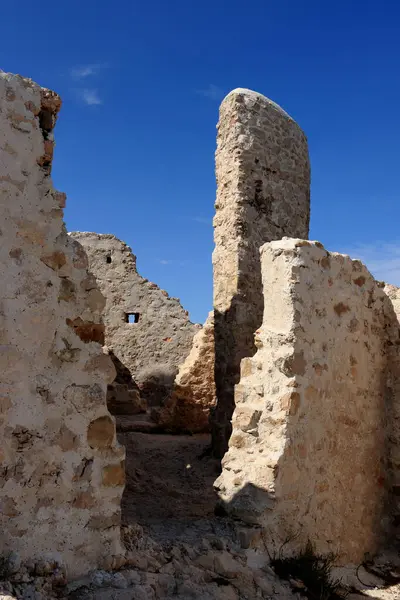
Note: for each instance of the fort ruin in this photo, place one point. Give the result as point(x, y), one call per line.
point(147, 333)
point(306, 359)
point(263, 194)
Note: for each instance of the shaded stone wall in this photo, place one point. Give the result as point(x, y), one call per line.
point(188, 408)
point(152, 348)
point(309, 453)
point(61, 469)
point(263, 179)
point(393, 396)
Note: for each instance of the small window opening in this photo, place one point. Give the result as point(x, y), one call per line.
point(132, 317)
point(108, 259)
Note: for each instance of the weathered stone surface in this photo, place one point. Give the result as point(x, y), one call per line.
point(125, 399)
point(393, 400)
point(53, 382)
point(114, 475)
point(101, 433)
point(194, 391)
point(263, 179)
point(149, 350)
point(308, 453)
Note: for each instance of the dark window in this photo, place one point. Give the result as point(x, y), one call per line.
point(132, 317)
point(108, 259)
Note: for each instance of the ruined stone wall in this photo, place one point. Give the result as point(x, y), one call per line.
point(392, 398)
point(188, 408)
point(61, 469)
point(263, 179)
point(308, 456)
point(152, 348)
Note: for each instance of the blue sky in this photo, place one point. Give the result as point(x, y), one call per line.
point(141, 83)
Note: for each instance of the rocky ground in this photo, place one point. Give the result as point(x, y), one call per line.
point(176, 547)
point(212, 569)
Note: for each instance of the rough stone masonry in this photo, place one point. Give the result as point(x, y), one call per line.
point(313, 436)
point(393, 401)
point(263, 179)
point(147, 332)
point(188, 408)
point(61, 469)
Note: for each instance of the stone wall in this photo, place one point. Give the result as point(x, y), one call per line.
point(393, 396)
point(151, 348)
point(188, 408)
point(263, 179)
point(308, 456)
point(61, 469)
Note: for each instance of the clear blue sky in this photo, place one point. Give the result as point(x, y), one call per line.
point(141, 84)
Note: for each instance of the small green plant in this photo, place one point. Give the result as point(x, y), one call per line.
point(312, 570)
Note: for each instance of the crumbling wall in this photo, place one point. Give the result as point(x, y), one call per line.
point(263, 179)
point(151, 348)
point(61, 469)
point(308, 457)
point(393, 401)
point(188, 408)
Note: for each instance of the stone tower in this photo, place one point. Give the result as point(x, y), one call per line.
point(263, 194)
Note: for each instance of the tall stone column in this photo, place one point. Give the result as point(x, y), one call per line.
point(263, 194)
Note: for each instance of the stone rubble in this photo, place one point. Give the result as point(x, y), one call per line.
point(214, 568)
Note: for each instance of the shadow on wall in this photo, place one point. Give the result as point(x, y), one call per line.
point(157, 384)
point(225, 380)
point(248, 504)
point(123, 395)
point(392, 401)
point(234, 340)
point(255, 507)
point(123, 373)
point(154, 389)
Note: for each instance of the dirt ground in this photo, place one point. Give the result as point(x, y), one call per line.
point(169, 487)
